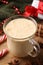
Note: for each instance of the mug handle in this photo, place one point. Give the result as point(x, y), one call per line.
point(36, 48)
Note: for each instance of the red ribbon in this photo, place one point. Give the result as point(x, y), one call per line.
point(32, 11)
point(29, 11)
point(40, 7)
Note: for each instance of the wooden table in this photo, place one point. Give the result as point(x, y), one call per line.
point(31, 61)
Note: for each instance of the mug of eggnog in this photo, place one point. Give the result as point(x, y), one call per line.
point(20, 31)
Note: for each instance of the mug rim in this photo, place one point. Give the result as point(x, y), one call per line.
point(15, 17)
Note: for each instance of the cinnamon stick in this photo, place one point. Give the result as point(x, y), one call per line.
point(38, 25)
point(40, 35)
point(38, 39)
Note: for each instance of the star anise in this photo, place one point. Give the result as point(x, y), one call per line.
point(15, 62)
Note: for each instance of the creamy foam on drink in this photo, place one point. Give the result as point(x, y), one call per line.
point(20, 28)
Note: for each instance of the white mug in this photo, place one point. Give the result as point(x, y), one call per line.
point(22, 47)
